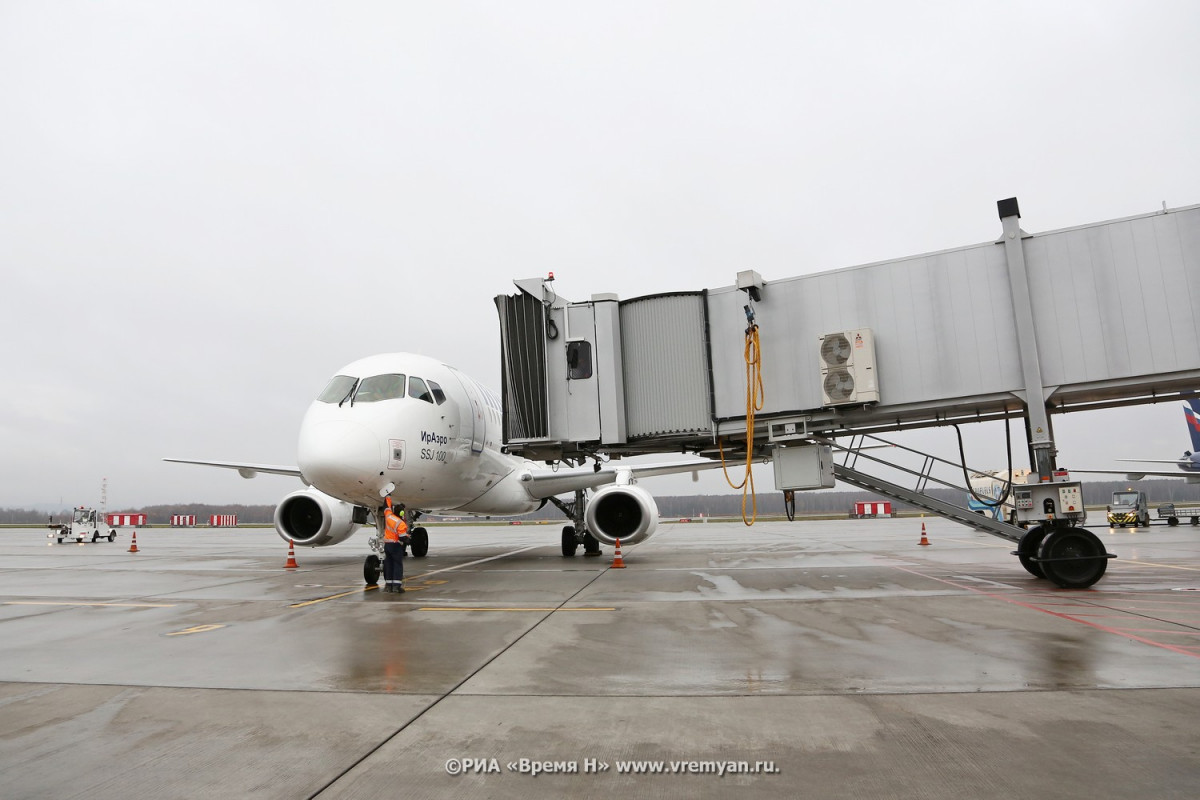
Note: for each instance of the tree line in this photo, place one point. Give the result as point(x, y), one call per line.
point(1095, 493)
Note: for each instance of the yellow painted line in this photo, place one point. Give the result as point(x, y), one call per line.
point(455, 608)
point(118, 605)
point(332, 597)
point(196, 629)
point(1129, 561)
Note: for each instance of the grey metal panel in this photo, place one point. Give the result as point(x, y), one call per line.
point(1116, 303)
point(943, 328)
point(1136, 288)
point(665, 365)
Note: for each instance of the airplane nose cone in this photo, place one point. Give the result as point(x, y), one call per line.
point(339, 457)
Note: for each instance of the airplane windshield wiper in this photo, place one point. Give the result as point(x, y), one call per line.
point(349, 395)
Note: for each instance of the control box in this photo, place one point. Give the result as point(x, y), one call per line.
point(1058, 499)
point(803, 467)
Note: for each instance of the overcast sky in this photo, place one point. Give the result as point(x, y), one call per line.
point(207, 208)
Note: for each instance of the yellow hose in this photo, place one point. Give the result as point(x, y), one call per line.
point(754, 402)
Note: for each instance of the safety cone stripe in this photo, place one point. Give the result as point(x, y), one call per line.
point(618, 562)
point(291, 562)
point(924, 539)
point(133, 548)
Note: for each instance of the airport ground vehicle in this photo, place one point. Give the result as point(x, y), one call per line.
point(86, 523)
point(990, 494)
point(1129, 507)
point(1173, 513)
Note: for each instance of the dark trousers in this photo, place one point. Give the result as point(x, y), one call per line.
point(393, 562)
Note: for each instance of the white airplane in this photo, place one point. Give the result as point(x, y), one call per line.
point(419, 431)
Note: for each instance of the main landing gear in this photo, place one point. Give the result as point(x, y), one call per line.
point(577, 534)
point(1073, 558)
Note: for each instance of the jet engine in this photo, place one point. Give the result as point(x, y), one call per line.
point(625, 512)
point(314, 519)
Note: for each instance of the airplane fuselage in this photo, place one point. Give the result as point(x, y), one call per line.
point(415, 429)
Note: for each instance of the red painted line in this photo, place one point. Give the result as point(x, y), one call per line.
point(1174, 649)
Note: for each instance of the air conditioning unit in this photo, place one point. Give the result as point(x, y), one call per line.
point(848, 374)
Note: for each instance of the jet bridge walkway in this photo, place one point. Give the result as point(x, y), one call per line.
point(1026, 326)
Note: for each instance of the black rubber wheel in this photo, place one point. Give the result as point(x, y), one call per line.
point(112, 536)
point(1027, 549)
point(95, 536)
point(591, 547)
point(1196, 520)
point(1087, 558)
point(1172, 521)
point(569, 543)
point(371, 570)
point(420, 542)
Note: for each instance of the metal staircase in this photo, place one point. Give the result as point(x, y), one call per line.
point(916, 496)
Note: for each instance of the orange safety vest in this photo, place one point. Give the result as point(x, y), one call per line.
point(396, 527)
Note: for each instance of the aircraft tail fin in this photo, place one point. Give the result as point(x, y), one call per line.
point(1193, 422)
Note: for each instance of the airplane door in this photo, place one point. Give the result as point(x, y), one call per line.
point(478, 416)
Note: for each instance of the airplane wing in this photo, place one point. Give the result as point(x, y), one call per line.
point(1150, 460)
point(549, 482)
point(245, 470)
point(1138, 474)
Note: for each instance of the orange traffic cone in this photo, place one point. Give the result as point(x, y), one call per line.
point(291, 562)
point(133, 545)
point(618, 562)
point(924, 538)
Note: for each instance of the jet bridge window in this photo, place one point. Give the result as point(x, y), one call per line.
point(337, 390)
point(579, 360)
point(418, 389)
point(380, 387)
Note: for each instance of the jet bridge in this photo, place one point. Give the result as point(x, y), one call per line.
point(1027, 326)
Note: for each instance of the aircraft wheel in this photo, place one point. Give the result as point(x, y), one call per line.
point(569, 542)
point(591, 547)
point(1172, 521)
point(371, 570)
point(420, 542)
point(1085, 558)
point(1027, 550)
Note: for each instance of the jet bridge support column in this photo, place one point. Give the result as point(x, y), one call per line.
point(1041, 438)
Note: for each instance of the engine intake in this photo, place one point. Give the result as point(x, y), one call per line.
point(314, 519)
point(627, 513)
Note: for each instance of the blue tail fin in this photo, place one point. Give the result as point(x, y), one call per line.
point(1193, 422)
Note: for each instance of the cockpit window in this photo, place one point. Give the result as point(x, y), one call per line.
point(418, 389)
point(380, 387)
point(337, 389)
point(438, 395)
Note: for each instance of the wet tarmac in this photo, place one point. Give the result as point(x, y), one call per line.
point(808, 659)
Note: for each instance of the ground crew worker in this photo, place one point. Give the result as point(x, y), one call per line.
point(395, 539)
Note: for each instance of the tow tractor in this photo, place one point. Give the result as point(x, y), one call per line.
point(85, 523)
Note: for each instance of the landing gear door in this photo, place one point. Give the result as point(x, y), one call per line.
point(474, 424)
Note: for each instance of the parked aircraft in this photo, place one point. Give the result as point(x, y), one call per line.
point(1188, 463)
point(419, 431)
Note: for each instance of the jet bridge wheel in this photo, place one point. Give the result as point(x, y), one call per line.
point(1073, 558)
point(371, 570)
point(1027, 550)
point(569, 542)
point(419, 545)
